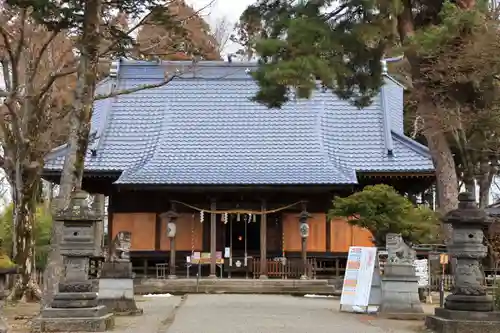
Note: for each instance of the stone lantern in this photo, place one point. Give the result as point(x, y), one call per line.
point(468, 308)
point(78, 241)
point(304, 234)
point(467, 248)
point(171, 217)
point(75, 307)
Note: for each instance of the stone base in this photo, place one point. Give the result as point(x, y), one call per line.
point(121, 307)
point(96, 324)
point(469, 303)
point(401, 315)
point(399, 292)
point(451, 321)
point(75, 300)
point(116, 288)
point(116, 270)
point(95, 312)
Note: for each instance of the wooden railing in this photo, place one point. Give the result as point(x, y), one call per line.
point(285, 268)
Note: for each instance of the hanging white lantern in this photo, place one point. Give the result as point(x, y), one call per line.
point(254, 217)
point(238, 217)
point(202, 216)
point(225, 218)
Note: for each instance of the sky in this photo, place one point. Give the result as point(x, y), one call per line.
point(231, 9)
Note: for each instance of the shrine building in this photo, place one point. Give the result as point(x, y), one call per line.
point(235, 176)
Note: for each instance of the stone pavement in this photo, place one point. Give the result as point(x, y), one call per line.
point(274, 314)
point(158, 315)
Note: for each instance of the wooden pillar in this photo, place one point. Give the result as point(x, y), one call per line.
point(172, 259)
point(110, 228)
point(263, 242)
point(171, 218)
point(213, 241)
point(304, 258)
point(304, 233)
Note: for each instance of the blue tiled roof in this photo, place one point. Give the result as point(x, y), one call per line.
point(203, 129)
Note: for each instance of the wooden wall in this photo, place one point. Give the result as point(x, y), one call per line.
point(140, 225)
point(342, 235)
point(143, 229)
point(189, 233)
point(317, 238)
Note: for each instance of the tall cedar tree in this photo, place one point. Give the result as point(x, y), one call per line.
point(98, 33)
point(341, 44)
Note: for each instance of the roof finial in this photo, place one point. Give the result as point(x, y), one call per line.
point(385, 61)
point(385, 70)
point(115, 68)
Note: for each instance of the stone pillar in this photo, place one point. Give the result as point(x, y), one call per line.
point(171, 217)
point(399, 283)
point(75, 307)
point(116, 284)
point(263, 243)
point(98, 205)
point(213, 241)
point(468, 308)
point(304, 233)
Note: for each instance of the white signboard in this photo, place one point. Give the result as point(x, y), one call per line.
point(358, 276)
point(422, 272)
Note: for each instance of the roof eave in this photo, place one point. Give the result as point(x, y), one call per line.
point(412, 144)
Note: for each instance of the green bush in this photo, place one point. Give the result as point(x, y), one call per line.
point(382, 210)
point(42, 227)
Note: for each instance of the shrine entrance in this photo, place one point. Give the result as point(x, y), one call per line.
point(242, 233)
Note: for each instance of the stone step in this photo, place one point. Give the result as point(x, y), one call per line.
point(94, 312)
point(99, 324)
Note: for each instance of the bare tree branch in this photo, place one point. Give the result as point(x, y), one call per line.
point(53, 77)
point(43, 49)
point(136, 89)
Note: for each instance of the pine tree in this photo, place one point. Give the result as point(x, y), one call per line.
point(451, 66)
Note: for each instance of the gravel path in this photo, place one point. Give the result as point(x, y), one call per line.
point(274, 314)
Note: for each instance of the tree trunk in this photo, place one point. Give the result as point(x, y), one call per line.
point(26, 287)
point(71, 177)
point(485, 179)
point(446, 176)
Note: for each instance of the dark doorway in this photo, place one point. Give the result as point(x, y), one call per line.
point(243, 232)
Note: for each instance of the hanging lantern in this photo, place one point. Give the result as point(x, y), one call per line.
point(238, 217)
point(249, 218)
point(254, 217)
point(225, 218)
point(202, 216)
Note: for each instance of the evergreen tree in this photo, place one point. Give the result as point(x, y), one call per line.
point(450, 50)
